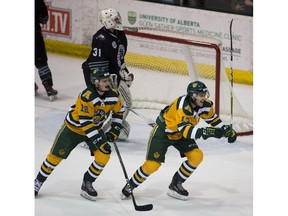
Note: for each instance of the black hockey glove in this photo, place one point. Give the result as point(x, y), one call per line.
point(209, 132)
point(114, 132)
point(100, 142)
point(230, 134)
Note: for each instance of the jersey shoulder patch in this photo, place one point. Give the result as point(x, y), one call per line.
point(100, 37)
point(88, 95)
point(187, 109)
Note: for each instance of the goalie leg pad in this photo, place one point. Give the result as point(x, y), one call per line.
point(125, 94)
point(125, 130)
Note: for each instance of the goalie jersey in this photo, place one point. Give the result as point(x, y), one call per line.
point(87, 115)
point(108, 50)
point(180, 118)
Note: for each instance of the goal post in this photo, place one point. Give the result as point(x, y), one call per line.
point(164, 64)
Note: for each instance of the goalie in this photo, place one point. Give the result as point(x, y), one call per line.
point(109, 46)
point(175, 126)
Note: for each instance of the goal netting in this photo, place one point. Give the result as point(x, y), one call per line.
point(164, 63)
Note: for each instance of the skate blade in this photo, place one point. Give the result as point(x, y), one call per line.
point(52, 97)
point(87, 196)
point(123, 197)
point(175, 195)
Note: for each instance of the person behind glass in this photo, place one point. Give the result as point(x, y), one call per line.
point(108, 49)
point(244, 7)
point(41, 60)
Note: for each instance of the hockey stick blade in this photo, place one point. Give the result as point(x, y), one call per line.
point(147, 207)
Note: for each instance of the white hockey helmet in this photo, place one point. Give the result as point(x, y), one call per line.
point(111, 19)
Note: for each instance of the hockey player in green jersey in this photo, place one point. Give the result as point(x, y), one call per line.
point(176, 126)
point(84, 122)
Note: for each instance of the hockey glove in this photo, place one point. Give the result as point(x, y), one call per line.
point(230, 134)
point(209, 132)
point(100, 142)
point(125, 75)
point(114, 132)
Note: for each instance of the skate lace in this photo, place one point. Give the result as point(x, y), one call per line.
point(128, 188)
point(179, 186)
point(38, 185)
point(89, 186)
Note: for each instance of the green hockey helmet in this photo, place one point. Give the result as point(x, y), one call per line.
point(196, 87)
point(98, 74)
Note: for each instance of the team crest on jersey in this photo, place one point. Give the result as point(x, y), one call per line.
point(114, 44)
point(188, 108)
point(100, 37)
point(61, 152)
point(98, 116)
point(156, 155)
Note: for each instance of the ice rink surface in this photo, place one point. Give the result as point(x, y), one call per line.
point(222, 184)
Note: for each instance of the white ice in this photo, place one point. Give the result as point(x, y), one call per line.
point(222, 184)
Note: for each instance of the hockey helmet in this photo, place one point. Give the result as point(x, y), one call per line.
point(111, 19)
point(196, 87)
point(98, 74)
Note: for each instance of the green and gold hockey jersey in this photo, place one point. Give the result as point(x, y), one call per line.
point(87, 115)
point(180, 118)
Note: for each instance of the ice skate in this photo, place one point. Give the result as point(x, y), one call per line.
point(36, 88)
point(177, 191)
point(52, 93)
point(126, 192)
point(88, 191)
point(37, 186)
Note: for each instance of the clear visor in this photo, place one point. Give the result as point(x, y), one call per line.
point(202, 95)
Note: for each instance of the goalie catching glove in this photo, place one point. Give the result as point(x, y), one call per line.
point(209, 132)
point(230, 134)
point(125, 75)
point(114, 132)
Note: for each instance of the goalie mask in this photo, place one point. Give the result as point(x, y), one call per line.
point(111, 19)
point(198, 92)
point(99, 74)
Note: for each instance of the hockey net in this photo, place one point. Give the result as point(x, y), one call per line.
point(164, 63)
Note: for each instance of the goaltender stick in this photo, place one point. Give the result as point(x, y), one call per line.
point(109, 46)
point(176, 126)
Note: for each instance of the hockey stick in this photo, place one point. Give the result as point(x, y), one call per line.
point(147, 207)
point(149, 121)
point(231, 76)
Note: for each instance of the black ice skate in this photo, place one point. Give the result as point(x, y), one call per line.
point(52, 93)
point(36, 88)
point(176, 190)
point(126, 192)
point(88, 191)
point(37, 186)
